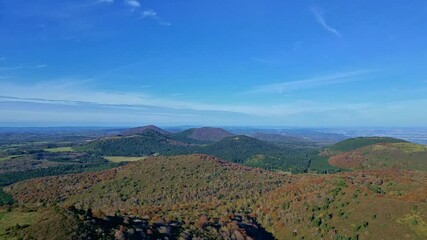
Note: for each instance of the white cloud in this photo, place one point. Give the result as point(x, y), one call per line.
point(148, 13)
point(321, 20)
point(337, 78)
point(133, 3)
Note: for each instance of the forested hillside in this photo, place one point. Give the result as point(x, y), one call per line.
point(400, 155)
point(355, 143)
point(201, 196)
point(372, 153)
point(206, 196)
point(238, 149)
point(147, 143)
point(385, 204)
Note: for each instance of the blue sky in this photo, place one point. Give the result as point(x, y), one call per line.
point(204, 62)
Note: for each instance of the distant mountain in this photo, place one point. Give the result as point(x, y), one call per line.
point(204, 134)
point(140, 130)
point(146, 143)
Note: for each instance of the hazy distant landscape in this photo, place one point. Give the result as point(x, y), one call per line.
point(208, 183)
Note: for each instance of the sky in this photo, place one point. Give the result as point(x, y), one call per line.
point(218, 63)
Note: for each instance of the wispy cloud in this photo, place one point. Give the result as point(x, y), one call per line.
point(73, 100)
point(337, 78)
point(11, 68)
point(105, 1)
point(151, 14)
point(2, 58)
point(41, 66)
point(318, 13)
point(75, 92)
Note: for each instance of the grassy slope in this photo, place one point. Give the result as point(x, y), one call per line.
point(9, 157)
point(37, 223)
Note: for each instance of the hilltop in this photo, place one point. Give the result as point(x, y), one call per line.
point(204, 134)
point(202, 195)
point(140, 130)
point(147, 143)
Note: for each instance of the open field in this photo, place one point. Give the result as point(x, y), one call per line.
point(59, 149)
point(9, 157)
point(123, 159)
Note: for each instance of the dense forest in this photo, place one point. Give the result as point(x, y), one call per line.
point(201, 196)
